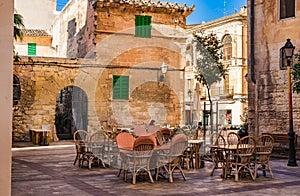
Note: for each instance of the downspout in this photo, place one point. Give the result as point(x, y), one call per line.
point(252, 69)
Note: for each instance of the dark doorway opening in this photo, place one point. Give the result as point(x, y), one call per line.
point(71, 112)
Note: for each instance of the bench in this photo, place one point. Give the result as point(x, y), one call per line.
point(281, 141)
point(40, 136)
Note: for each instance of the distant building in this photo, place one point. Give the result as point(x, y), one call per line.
point(230, 94)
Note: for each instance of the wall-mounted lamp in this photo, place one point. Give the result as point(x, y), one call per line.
point(164, 69)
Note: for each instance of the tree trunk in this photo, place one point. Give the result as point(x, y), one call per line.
point(210, 109)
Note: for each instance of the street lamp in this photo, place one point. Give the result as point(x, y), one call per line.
point(190, 93)
point(287, 54)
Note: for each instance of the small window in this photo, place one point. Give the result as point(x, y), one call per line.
point(227, 47)
point(31, 49)
point(143, 26)
point(121, 87)
point(286, 9)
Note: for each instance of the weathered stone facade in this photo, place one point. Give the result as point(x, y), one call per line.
point(268, 92)
point(115, 50)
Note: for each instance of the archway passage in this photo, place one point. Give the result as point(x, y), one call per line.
point(71, 112)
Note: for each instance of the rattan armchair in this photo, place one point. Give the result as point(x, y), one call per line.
point(81, 140)
point(169, 160)
point(264, 147)
point(138, 161)
point(241, 164)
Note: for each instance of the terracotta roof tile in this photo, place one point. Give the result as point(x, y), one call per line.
point(34, 32)
point(153, 3)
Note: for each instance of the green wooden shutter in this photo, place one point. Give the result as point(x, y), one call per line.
point(143, 26)
point(121, 87)
point(31, 49)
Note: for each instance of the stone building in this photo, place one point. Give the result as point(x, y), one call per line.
point(229, 96)
point(271, 23)
point(113, 77)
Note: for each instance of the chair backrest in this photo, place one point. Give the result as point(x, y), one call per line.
point(246, 146)
point(265, 143)
point(146, 141)
point(81, 136)
point(160, 138)
point(220, 140)
point(179, 144)
point(153, 129)
point(125, 140)
point(166, 132)
point(140, 130)
point(98, 137)
point(233, 138)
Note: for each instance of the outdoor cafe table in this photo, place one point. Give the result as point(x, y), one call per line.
point(195, 148)
point(228, 151)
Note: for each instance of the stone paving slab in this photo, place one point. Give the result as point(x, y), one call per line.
point(50, 171)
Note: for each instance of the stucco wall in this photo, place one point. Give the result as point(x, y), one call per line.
point(42, 16)
point(6, 54)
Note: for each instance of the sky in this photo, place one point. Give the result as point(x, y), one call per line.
point(205, 10)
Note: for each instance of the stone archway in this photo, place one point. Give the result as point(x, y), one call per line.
point(70, 112)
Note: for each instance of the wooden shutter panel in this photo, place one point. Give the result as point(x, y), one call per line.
point(31, 49)
point(143, 26)
point(120, 87)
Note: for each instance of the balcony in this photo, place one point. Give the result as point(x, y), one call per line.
point(222, 92)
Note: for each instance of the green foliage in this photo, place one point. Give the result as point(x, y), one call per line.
point(296, 74)
point(18, 25)
point(209, 68)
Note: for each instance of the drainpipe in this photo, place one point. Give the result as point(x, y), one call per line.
point(252, 69)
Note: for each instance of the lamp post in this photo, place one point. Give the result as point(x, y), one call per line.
point(287, 54)
point(190, 93)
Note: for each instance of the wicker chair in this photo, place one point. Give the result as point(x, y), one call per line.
point(81, 140)
point(140, 130)
point(241, 165)
point(217, 155)
point(233, 138)
point(169, 160)
point(138, 161)
point(125, 143)
point(96, 146)
point(264, 146)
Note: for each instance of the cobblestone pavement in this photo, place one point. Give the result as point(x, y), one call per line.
point(50, 171)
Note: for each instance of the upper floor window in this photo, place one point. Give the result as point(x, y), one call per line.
point(143, 26)
point(121, 87)
point(31, 49)
point(286, 8)
point(227, 47)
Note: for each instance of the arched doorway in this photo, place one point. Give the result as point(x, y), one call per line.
point(71, 112)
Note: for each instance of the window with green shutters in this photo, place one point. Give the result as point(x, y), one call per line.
point(31, 49)
point(121, 87)
point(143, 26)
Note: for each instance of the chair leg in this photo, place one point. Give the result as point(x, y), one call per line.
point(133, 178)
point(119, 173)
point(150, 176)
point(181, 171)
point(270, 170)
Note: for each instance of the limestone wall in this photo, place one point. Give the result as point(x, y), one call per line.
point(268, 98)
